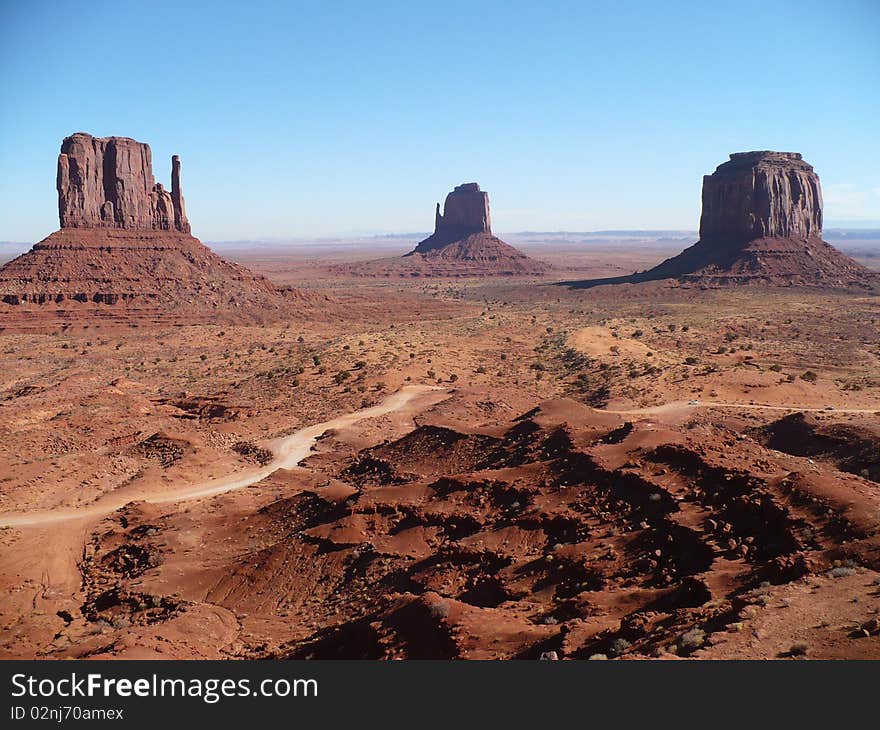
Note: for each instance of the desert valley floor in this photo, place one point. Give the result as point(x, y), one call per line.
point(412, 467)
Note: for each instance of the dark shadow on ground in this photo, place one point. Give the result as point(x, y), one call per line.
point(636, 278)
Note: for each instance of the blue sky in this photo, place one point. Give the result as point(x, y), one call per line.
point(313, 119)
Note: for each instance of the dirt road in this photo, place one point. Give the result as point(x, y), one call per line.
point(677, 407)
point(288, 451)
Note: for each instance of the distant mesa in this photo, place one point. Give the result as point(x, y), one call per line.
point(465, 213)
point(762, 223)
point(126, 240)
point(463, 245)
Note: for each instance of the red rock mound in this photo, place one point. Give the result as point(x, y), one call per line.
point(773, 261)
point(570, 535)
point(118, 266)
point(563, 530)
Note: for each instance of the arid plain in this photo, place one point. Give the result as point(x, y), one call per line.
point(709, 382)
point(403, 463)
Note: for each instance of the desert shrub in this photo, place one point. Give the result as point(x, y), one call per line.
point(690, 361)
point(618, 646)
point(252, 452)
point(691, 640)
point(810, 376)
point(842, 571)
point(341, 376)
point(439, 609)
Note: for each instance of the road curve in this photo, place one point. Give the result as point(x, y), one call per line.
point(288, 451)
point(688, 405)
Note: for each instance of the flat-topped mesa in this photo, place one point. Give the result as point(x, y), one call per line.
point(762, 224)
point(762, 194)
point(107, 182)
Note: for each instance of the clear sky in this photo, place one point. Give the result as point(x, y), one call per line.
point(318, 118)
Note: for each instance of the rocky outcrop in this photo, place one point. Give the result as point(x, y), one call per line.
point(762, 195)
point(107, 182)
point(462, 243)
point(125, 243)
point(180, 220)
point(762, 223)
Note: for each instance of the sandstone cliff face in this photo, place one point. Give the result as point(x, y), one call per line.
point(465, 211)
point(762, 195)
point(107, 182)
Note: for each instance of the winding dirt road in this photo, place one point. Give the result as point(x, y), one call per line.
point(682, 405)
point(289, 451)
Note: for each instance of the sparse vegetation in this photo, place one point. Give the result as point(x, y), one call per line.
point(691, 640)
